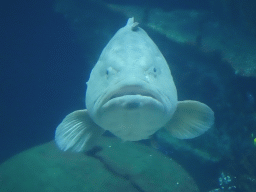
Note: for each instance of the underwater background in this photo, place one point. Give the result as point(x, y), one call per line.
point(48, 48)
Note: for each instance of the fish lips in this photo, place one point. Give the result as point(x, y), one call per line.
point(132, 97)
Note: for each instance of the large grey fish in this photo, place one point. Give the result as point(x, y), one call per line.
point(131, 93)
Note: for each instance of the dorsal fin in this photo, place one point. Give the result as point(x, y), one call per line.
point(134, 25)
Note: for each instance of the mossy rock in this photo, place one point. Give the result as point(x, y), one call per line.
point(117, 166)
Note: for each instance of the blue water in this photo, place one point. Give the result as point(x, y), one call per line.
point(43, 74)
point(44, 67)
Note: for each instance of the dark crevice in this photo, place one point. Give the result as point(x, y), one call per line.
point(93, 153)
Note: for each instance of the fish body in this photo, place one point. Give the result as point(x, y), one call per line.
point(131, 93)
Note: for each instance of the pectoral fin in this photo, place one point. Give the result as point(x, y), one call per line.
point(77, 132)
point(190, 120)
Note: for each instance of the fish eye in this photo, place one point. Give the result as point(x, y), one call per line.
point(152, 72)
point(110, 71)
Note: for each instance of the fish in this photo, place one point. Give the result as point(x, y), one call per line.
point(131, 93)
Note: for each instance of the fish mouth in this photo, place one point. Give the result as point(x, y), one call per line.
point(133, 94)
point(139, 92)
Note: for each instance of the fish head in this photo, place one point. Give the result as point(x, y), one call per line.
point(131, 91)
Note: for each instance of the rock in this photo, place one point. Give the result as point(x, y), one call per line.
point(112, 166)
point(197, 149)
point(198, 28)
